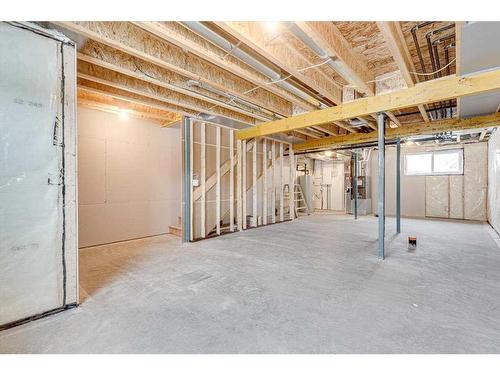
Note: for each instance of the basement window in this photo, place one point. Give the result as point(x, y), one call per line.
point(435, 163)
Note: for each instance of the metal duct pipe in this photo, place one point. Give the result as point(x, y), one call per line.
point(310, 43)
point(227, 46)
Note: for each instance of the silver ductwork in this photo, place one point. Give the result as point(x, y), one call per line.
point(227, 46)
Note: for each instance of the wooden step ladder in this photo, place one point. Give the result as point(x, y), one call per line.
point(300, 202)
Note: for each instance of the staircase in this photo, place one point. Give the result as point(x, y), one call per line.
point(176, 230)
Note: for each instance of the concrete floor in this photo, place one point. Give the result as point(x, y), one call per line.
point(313, 285)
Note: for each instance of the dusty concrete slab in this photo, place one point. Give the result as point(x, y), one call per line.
point(313, 285)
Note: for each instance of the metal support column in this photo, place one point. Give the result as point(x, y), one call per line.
point(398, 186)
point(186, 179)
point(355, 183)
point(381, 184)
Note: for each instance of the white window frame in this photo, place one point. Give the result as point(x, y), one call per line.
point(460, 152)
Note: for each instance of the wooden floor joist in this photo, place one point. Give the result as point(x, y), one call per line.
point(424, 128)
point(446, 88)
point(134, 41)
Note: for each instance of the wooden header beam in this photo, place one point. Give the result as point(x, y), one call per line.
point(423, 128)
point(426, 92)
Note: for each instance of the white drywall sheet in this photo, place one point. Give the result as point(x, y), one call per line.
point(37, 134)
point(129, 177)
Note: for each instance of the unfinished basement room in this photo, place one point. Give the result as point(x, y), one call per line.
point(250, 187)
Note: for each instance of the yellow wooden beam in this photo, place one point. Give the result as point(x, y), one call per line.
point(395, 40)
point(423, 128)
point(426, 92)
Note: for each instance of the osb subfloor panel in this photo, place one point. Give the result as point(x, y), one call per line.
point(313, 285)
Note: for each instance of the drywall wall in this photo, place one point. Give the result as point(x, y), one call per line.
point(38, 252)
point(494, 180)
point(129, 177)
point(458, 197)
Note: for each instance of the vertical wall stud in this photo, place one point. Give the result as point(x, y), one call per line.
point(231, 180)
point(282, 197)
point(217, 185)
point(239, 212)
point(273, 182)
point(191, 203)
point(381, 184)
point(202, 180)
point(264, 181)
point(291, 183)
point(398, 186)
point(187, 180)
point(244, 184)
point(355, 183)
point(254, 183)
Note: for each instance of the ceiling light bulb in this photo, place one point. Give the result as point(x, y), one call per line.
point(123, 114)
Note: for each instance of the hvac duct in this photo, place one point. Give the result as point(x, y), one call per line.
point(221, 42)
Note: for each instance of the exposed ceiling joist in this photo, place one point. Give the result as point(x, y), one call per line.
point(176, 34)
point(424, 128)
point(347, 63)
point(426, 92)
point(137, 42)
point(139, 87)
point(396, 43)
point(280, 54)
point(112, 59)
point(96, 100)
point(351, 65)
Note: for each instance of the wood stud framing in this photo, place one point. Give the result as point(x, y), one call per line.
point(231, 180)
point(202, 180)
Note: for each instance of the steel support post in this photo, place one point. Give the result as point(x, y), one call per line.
point(398, 186)
point(355, 183)
point(381, 184)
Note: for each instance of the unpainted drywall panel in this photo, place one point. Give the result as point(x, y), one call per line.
point(92, 170)
point(129, 178)
point(475, 181)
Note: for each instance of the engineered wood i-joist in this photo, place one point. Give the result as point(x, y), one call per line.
point(280, 54)
point(112, 59)
point(118, 80)
point(426, 92)
point(396, 43)
point(127, 96)
point(180, 36)
point(329, 38)
point(137, 42)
